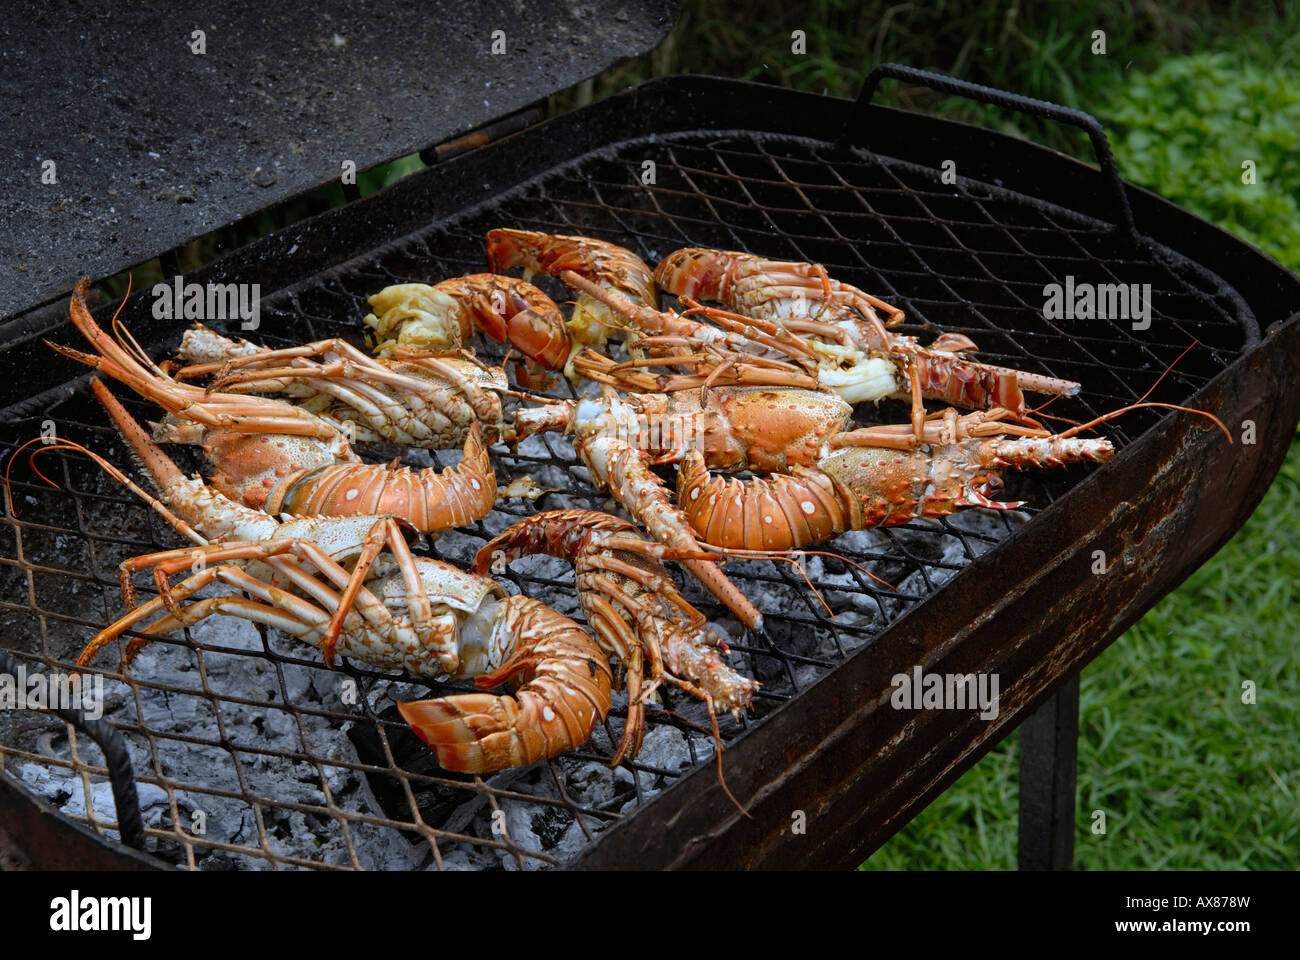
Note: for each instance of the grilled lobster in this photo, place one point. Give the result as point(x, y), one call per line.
point(272, 455)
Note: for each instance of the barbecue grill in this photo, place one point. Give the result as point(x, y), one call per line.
point(229, 747)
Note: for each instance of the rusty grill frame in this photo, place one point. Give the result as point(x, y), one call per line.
point(830, 749)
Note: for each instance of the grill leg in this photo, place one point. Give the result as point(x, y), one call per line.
point(1049, 750)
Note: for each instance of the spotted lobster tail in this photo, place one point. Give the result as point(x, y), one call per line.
point(565, 694)
point(777, 513)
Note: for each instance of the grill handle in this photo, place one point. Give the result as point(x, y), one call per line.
point(117, 759)
point(1010, 101)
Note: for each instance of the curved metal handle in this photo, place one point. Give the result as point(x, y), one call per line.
point(1011, 101)
point(121, 777)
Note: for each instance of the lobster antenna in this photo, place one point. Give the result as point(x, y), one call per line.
point(806, 579)
point(1052, 399)
point(1048, 416)
point(717, 740)
point(722, 779)
point(127, 339)
point(534, 397)
point(1138, 406)
point(1142, 402)
point(70, 446)
point(9, 493)
point(1166, 373)
point(1038, 410)
point(774, 556)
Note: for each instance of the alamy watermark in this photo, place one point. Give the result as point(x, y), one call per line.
point(211, 301)
point(77, 914)
point(42, 690)
point(919, 690)
point(1098, 301)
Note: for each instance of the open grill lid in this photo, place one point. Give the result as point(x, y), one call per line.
point(154, 144)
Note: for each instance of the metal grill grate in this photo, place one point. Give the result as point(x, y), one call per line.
point(251, 731)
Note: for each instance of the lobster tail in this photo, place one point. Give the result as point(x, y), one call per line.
point(603, 265)
point(696, 273)
point(778, 513)
point(566, 692)
point(430, 500)
point(633, 607)
point(541, 336)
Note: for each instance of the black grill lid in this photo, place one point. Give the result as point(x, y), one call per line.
point(154, 145)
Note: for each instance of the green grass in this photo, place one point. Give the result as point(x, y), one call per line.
point(1186, 128)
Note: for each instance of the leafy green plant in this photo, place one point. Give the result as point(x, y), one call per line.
point(1186, 128)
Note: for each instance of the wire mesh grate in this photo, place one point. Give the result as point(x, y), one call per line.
point(250, 754)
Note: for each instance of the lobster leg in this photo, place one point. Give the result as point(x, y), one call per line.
point(261, 357)
point(379, 535)
point(354, 599)
point(942, 427)
point(113, 359)
point(656, 323)
point(627, 376)
point(398, 404)
point(612, 632)
point(292, 613)
point(181, 591)
point(403, 413)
